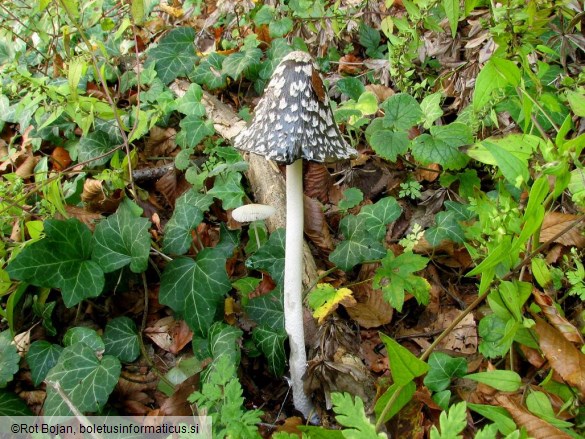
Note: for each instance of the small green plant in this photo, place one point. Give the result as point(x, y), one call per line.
point(410, 189)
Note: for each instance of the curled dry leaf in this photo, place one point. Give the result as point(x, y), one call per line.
point(382, 92)
point(60, 158)
point(26, 168)
point(536, 427)
point(562, 355)
point(555, 222)
point(316, 227)
point(169, 334)
point(350, 65)
point(569, 331)
point(317, 181)
point(371, 310)
point(167, 186)
point(429, 173)
point(160, 142)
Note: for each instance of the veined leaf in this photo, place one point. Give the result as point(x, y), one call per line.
point(325, 299)
point(235, 64)
point(442, 145)
point(496, 74)
point(209, 72)
point(175, 54)
point(503, 380)
point(402, 112)
point(121, 339)
point(41, 357)
point(93, 148)
point(271, 344)
point(379, 215)
point(228, 188)
point(270, 257)
point(404, 366)
point(9, 359)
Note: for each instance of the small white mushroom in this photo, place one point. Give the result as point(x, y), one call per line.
point(252, 212)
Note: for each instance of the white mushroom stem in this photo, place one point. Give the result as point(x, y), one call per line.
point(293, 275)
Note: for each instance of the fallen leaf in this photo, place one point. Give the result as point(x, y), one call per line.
point(569, 331)
point(371, 310)
point(316, 227)
point(26, 168)
point(555, 222)
point(169, 334)
point(317, 181)
point(167, 186)
point(60, 158)
point(350, 65)
point(382, 92)
point(429, 173)
point(562, 355)
point(177, 404)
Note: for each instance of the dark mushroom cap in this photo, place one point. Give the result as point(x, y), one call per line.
point(293, 119)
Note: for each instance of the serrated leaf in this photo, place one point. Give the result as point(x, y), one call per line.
point(404, 366)
point(94, 147)
point(270, 257)
point(395, 278)
point(351, 414)
point(121, 339)
point(9, 359)
point(442, 146)
point(359, 245)
point(209, 72)
point(121, 240)
point(452, 422)
point(389, 144)
point(271, 344)
point(84, 378)
point(188, 213)
point(235, 64)
point(193, 131)
point(379, 215)
point(61, 260)
point(195, 288)
point(41, 357)
point(446, 228)
point(442, 369)
point(12, 406)
point(175, 54)
point(228, 188)
point(87, 336)
point(402, 112)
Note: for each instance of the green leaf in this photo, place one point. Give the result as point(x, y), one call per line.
point(351, 414)
point(137, 11)
point(279, 28)
point(94, 148)
point(193, 131)
point(61, 260)
point(235, 64)
point(514, 170)
point(195, 288)
point(87, 336)
point(224, 342)
point(452, 10)
point(406, 394)
point(498, 415)
point(504, 380)
point(389, 144)
point(264, 15)
point(359, 245)
point(496, 74)
point(209, 72)
point(175, 54)
point(402, 112)
point(12, 405)
point(86, 379)
point(270, 257)
point(431, 107)
point(379, 215)
point(442, 146)
point(395, 278)
point(41, 357)
point(577, 102)
point(496, 335)
point(443, 368)
point(351, 87)
point(121, 339)
point(9, 359)
point(539, 404)
point(228, 188)
point(271, 344)
point(190, 104)
point(452, 423)
point(446, 228)
point(370, 39)
point(404, 366)
point(268, 310)
point(121, 240)
point(188, 213)
point(351, 198)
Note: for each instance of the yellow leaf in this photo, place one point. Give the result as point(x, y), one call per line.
point(325, 299)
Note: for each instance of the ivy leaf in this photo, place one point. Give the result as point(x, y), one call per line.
point(9, 359)
point(223, 342)
point(95, 144)
point(87, 336)
point(442, 146)
point(188, 213)
point(194, 288)
point(442, 368)
point(359, 245)
point(209, 72)
point(268, 310)
point(41, 357)
point(190, 104)
point(86, 379)
point(61, 260)
point(389, 144)
point(237, 62)
point(175, 54)
point(351, 198)
point(12, 405)
point(121, 339)
point(351, 414)
point(228, 188)
point(271, 344)
point(395, 278)
point(279, 28)
point(379, 215)
point(193, 131)
point(446, 227)
point(121, 240)
point(270, 257)
point(402, 112)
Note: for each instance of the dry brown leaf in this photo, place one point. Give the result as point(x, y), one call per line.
point(317, 181)
point(90, 219)
point(160, 142)
point(167, 186)
point(177, 404)
point(381, 91)
point(169, 334)
point(316, 227)
point(290, 425)
point(60, 158)
point(371, 309)
point(562, 355)
point(569, 331)
point(430, 173)
point(536, 427)
point(26, 168)
point(350, 65)
point(555, 222)
point(463, 338)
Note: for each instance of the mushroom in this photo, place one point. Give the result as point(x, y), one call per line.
point(251, 213)
point(293, 121)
